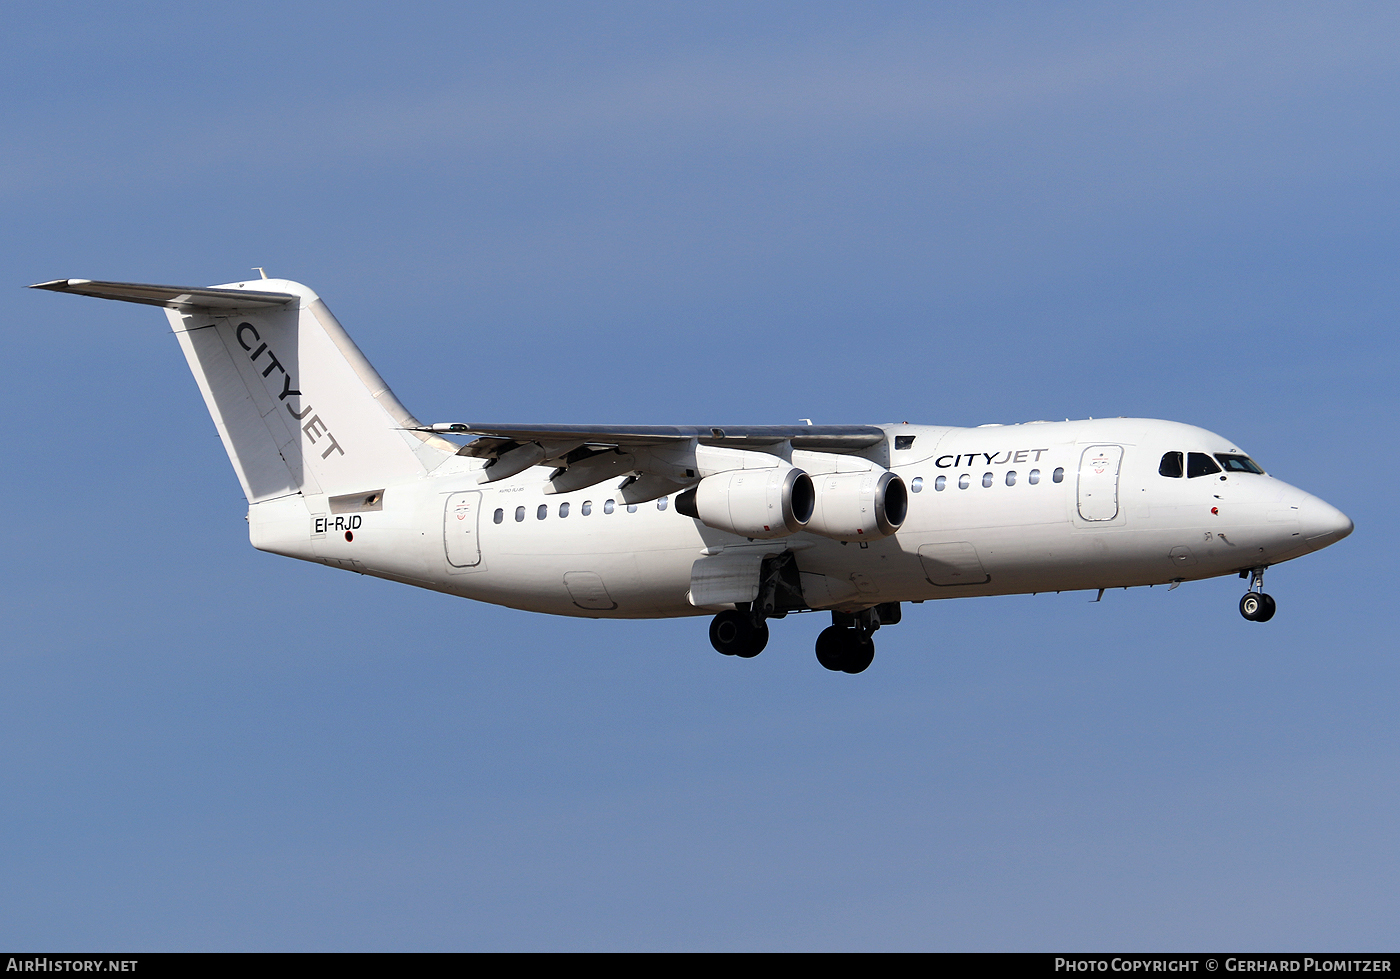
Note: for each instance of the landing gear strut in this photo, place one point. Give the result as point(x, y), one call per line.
point(1256, 606)
point(736, 632)
point(743, 630)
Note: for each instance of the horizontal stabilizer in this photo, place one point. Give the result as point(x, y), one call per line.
point(171, 297)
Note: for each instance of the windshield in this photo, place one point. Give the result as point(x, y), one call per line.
point(1239, 464)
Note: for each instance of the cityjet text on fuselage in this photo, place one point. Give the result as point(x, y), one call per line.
point(992, 458)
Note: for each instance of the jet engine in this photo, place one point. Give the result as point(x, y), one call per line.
point(759, 503)
point(859, 506)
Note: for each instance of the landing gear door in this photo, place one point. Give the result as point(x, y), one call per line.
point(459, 531)
point(728, 578)
point(1098, 482)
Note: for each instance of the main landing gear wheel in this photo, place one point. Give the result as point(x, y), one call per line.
point(734, 633)
point(1258, 607)
point(844, 650)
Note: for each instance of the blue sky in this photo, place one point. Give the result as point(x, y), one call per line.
point(654, 213)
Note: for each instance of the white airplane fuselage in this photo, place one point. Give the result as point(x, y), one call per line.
point(1008, 536)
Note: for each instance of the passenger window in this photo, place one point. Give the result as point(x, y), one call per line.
point(1034, 477)
point(608, 507)
point(941, 483)
point(631, 508)
point(964, 481)
point(587, 507)
point(1200, 464)
point(1011, 477)
point(1058, 475)
point(542, 512)
point(499, 515)
point(563, 509)
point(917, 485)
point(519, 514)
point(1171, 465)
point(1239, 464)
point(986, 480)
point(661, 503)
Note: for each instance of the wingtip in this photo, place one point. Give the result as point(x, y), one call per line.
point(59, 285)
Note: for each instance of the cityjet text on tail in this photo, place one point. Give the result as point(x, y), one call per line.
point(741, 523)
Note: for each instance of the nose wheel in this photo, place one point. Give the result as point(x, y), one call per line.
point(1256, 606)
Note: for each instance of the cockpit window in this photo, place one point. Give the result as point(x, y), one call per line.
point(1239, 464)
point(1200, 464)
point(1171, 465)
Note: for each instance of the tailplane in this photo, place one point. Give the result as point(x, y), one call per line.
point(297, 405)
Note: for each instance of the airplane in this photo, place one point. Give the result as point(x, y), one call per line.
point(740, 523)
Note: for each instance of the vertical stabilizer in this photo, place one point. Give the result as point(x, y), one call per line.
point(297, 405)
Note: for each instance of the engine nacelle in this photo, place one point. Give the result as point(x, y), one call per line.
point(759, 503)
point(859, 506)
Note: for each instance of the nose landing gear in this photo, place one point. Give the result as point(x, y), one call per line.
point(1256, 606)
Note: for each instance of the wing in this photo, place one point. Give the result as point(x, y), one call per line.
point(656, 459)
point(820, 438)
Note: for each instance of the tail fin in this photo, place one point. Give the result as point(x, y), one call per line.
point(297, 405)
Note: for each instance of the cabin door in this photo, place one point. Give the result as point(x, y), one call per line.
point(1098, 481)
point(459, 530)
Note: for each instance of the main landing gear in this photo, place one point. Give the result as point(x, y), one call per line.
point(1256, 606)
point(845, 650)
point(845, 646)
point(743, 630)
point(739, 633)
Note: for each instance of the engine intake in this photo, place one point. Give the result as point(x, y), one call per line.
point(859, 506)
point(758, 503)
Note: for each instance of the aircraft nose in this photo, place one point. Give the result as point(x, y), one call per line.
point(1323, 523)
